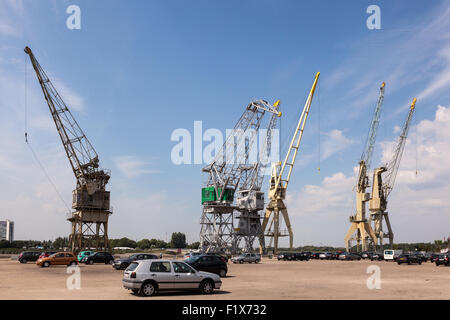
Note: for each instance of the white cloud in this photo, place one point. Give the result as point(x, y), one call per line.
point(425, 57)
point(132, 166)
point(72, 99)
point(335, 142)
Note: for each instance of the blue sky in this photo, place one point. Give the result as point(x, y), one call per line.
point(137, 70)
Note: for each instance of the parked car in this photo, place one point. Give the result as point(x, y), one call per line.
point(302, 256)
point(325, 256)
point(376, 256)
point(26, 256)
point(365, 255)
point(83, 254)
point(409, 259)
point(433, 257)
point(247, 257)
point(315, 255)
point(391, 255)
point(443, 259)
point(285, 256)
point(349, 256)
point(191, 254)
point(58, 258)
point(209, 263)
point(147, 277)
point(123, 263)
point(335, 255)
point(46, 254)
point(421, 256)
point(223, 257)
point(99, 257)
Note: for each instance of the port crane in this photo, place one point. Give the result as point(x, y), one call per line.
point(382, 188)
point(279, 180)
point(360, 228)
point(224, 173)
point(250, 198)
point(90, 200)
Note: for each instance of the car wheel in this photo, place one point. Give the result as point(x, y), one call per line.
point(420, 262)
point(73, 263)
point(206, 287)
point(398, 263)
point(148, 289)
point(223, 273)
point(257, 261)
point(23, 261)
point(241, 261)
point(91, 262)
point(46, 264)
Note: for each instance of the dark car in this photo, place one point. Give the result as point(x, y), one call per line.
point(225, 258)
point(314, 255)
point(376, 256)
point(99, 257)
point(443, 259)
point(123, 263)
point(409, 259)
point(286, 256)
point(350, 256)
point(421, 256)
point(302, 256)
point(365, 255)
point(26, 256)
point(209, 263)
point(46, 254)
point(433, 257)
point(335, 255)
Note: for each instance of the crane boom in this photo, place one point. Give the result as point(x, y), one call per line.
point(255, 178)
point(82, 156)
point(226, 169)
point(393, 165)
point(366, 157)
point(291, 155)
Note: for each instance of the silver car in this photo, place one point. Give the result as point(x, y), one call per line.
point(146, 277)
point(247, 257)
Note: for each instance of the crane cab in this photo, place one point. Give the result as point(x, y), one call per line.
point(250, 199)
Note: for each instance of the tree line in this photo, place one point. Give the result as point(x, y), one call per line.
point(178, 240)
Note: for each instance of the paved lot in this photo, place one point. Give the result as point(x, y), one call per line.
point(270, 279)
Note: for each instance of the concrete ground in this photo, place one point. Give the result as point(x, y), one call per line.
point(270, 279)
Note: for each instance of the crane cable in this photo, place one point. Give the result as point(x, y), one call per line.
point(318, 124)
point(417, 146)
point(31, 149)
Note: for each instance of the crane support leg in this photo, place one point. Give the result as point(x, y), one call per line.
point(289, 228)
point(349, 234)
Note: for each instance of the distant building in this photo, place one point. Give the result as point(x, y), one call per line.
point(7, 230)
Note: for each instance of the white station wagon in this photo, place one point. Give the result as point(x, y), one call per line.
point(146, 277)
